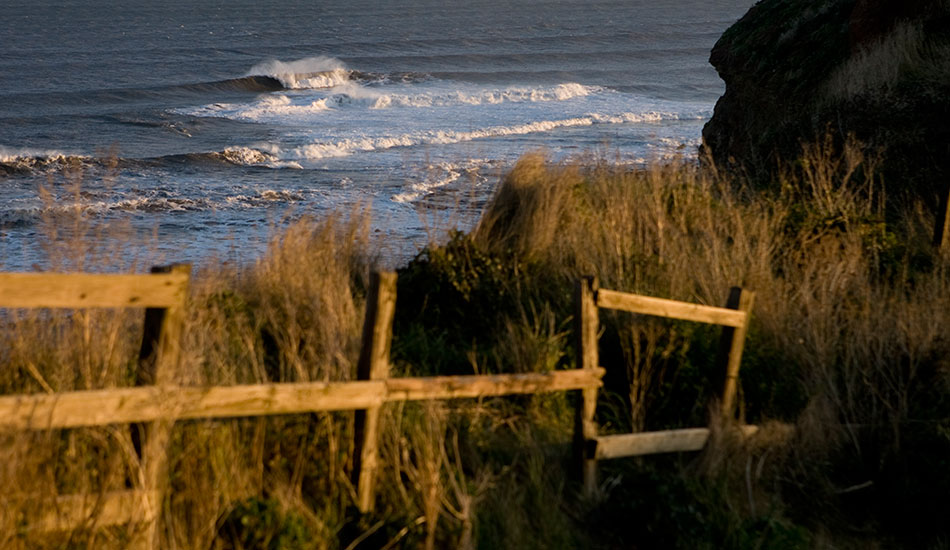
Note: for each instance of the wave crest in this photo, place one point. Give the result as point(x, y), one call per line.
point(27, 161)
point(310, 72)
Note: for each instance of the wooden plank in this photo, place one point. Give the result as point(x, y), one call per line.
point(637, 444)
point(81, 290)
point(671, 309)
point(451, 387)
point(665, 441)
point(150, 403)
point(587, 332)
point(373, 365)
point(730, 349)
point(69, 512)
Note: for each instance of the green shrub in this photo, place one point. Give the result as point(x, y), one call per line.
point(263, 524)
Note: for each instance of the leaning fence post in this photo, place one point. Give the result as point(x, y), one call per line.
point(731, 345)
point(586, 332)
point(373, 364)
point(159, 356)
point(942, 225)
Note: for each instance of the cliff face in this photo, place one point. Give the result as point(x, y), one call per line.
point(797, 69)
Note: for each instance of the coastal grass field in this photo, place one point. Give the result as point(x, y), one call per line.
point(847, 344)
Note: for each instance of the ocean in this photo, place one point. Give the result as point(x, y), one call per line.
point(202, 126)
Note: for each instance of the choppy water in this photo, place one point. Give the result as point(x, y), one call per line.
point(203, 123)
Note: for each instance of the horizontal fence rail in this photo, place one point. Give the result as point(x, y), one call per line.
point(646, 443)
point(82, 290)
point(98, 510)
point(671, 309)
point(151, 403)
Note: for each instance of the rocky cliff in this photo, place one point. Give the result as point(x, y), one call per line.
point(798, 69)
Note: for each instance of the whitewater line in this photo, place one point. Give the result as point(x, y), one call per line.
point(347, 147)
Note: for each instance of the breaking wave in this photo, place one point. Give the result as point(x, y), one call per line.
point(237, 156)
point(246, 156)
point(302, 74)
point(26, 161)
point(312, 72)
point(350, 94)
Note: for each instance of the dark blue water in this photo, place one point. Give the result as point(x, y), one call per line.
point(205, 124)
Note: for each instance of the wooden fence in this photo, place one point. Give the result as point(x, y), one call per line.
point(163, 295)
point(588, 298)
point(155, 403)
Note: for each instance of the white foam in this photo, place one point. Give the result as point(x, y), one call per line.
point(264, 198)
point(147, 204)
point(435, 176)
point(665, 148)
point(269, 107)
point(13, 156)
point(98, 208)
point(418, 190)
point(328, 79)
point(310, 72)
point(346, 147)
point(278, 107)
point(561, 92)
point(247, 156)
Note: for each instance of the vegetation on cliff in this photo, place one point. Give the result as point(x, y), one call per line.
point(878, 70)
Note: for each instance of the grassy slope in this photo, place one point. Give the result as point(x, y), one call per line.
point(847, 343)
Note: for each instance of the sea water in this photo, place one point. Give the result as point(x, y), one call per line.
point(206, 125)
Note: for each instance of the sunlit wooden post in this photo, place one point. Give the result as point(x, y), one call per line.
point(159, 357)
point(731, 346)
point(942, 226)
point(373, 365)
point(586, 332)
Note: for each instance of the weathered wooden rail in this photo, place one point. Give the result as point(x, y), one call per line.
point(157, 402)
point(591, 447)
point(150, 403)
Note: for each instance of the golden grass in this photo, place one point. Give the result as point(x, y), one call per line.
point(837, 300)
point(879, 66)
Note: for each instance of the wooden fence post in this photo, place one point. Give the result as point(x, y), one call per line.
point(159, 357)
point(942, 225)
point(586, 332)
point(373, 364)
point(730, 348)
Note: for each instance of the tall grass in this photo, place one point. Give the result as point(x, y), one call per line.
point(847, 344)
point(905, 52)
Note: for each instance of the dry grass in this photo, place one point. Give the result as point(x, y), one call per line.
point(294, 315)
point(879, 66)
point(846, 308)
point(838, 303)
